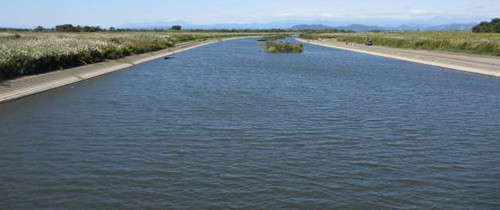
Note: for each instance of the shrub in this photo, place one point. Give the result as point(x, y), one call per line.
point(466, 42)
point(176, 28)
point(488, 27)
point(283, 47)
point(39, 53)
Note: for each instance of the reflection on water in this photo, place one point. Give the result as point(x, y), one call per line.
point(227, 126)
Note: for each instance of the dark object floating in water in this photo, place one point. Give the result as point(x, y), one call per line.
point(368, 43)
point(168, 57)
point(261, 40)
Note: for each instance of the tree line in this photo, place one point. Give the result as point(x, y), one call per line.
point(71, 28)
point(488, 27)
point(78, 28)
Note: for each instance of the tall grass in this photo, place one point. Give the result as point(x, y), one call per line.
point(463, 42)
point(33, 53)
point(283, 47)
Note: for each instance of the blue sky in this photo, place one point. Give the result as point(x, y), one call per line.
point(118, 12)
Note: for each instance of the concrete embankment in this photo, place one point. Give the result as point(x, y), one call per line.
point(29, 85)
point(484, 65)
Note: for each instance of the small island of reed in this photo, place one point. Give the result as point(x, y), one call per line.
point(283, 47)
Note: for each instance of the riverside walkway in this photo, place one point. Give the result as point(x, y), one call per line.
point(485, 65)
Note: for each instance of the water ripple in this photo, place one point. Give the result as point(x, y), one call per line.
point(244, 129)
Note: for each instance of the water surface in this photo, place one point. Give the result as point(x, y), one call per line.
point(227, 126)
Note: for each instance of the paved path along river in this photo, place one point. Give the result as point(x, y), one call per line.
point(486, 65)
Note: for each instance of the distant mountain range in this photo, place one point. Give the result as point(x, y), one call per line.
point(186, 25)
point(452, 27)
point(291, 24)
point(353, 27)
point(358, 27)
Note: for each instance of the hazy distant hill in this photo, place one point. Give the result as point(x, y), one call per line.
point(359, 27)
point(452, 27)
point(186, 25)
point(311, 27)
point(292, 25)
point(447, 27)
point(404, 27)
point(354, 27)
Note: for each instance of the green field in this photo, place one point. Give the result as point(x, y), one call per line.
point(462, 42)
point(27, 53)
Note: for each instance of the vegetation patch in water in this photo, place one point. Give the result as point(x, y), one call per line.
point(283, 47)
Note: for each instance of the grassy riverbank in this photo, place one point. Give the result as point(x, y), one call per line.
point(30, 53)
point(463, 42)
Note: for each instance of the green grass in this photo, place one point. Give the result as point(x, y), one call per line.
point(462, 42)
point(27, 53)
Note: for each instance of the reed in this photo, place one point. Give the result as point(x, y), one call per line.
point(283, 47)
point(462, 42)
point(34, 53)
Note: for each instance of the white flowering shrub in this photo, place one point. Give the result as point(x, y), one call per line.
point(38, 53)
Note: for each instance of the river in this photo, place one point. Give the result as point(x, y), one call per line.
point(228, 126)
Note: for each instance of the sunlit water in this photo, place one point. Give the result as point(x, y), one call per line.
point(228, 126)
